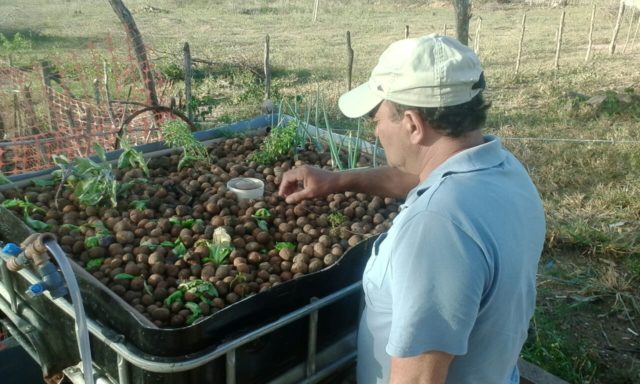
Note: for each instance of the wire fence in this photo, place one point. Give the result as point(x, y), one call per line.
point(48, 110)
point(66, 107)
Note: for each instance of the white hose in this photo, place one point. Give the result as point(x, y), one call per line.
point(82, 331)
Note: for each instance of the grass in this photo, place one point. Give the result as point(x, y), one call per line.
point(584, 159)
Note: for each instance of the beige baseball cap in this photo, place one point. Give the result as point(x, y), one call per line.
point(428, 71)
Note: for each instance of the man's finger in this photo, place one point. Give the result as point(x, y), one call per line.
point(298, 196)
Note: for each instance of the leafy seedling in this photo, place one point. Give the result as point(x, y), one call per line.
point(123, 276)
point(27, 209)
point(279, 246)
point(93, 183)
point(217, 252)
point(139, 205)
point(280, 143)
point(43, 182)
point(132, 158)
point(177, 134)
point(261, 217)
point(186, 223)
point(196, 312)
point(179, 248)
point(94, 263)
point(336, 219)
point(101, 233)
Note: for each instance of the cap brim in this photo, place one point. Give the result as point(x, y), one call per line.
point(358, 101)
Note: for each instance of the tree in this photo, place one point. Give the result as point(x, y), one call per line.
point(463, 15)
point(135, 38)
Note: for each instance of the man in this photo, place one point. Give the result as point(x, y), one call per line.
point(450, 288)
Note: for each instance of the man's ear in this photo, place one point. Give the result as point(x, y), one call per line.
point(416, 127)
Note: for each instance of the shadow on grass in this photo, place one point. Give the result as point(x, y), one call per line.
point(42, 42)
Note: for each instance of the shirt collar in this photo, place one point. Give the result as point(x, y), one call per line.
point(483, 156)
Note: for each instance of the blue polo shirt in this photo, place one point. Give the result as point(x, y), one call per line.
point(456, 272)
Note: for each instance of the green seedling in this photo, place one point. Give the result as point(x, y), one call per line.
point(93, 183)
point(4, 179)
point(176, 296)
point(261, 217)
point(27, 209)
point(179, 248)
point(280, 143)
point(336, 219)
point(147, 288)
point(123, 276)
point(279, 246)
point(43, 182)
point(94, 263)
point(132, 158)
point(176, 134)
point(100, 233)
point(186, 223)
point(203, 290)
point(139, 205)
point(196, 312)
point(217, 252)
point(153, 246)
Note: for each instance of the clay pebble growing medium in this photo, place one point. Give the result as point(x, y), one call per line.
point(136, 257)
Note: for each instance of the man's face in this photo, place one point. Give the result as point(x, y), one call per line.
point(391, 134)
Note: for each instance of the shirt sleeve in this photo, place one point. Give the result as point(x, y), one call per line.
point(438, 274)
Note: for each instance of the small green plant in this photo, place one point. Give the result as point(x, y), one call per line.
point(336, 219)
point(218, 253)
point(279, 246)
point(153, 246)
point(132, 158)
point(4, 179)
point(19, 43)
point(202, 106)
point(179, 248)
point(185, 223)
point(281, 142)
point(93, 183)
point(139, 205)
point(27, 208)
point(94, 264)
point(44, 182)
point(261, 216)
point(176, 134)
point(100, 233)
point(203, 291)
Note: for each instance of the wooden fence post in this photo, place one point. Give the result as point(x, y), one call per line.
point(559, 42)
point(30, 114)
point(349, 61)
point(187, 79)
point(593, 15)
point(46, 83)
point(135, 39)
point(406, 31)
point(477, 39)
point(626, 41)
point(444, 30)
point(524, 21)
point(315, 10)
point(96, 91)
point(267, 70)
point(107, 94)
point(635, 33)
point(612, 46)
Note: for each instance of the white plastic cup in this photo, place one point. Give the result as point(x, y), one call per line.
point(246, 188)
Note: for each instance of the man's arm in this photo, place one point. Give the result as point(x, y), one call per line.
point(427, 368)
point(316, 182)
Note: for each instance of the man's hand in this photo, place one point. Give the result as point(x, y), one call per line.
point(427, 368)
point(315, 182)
